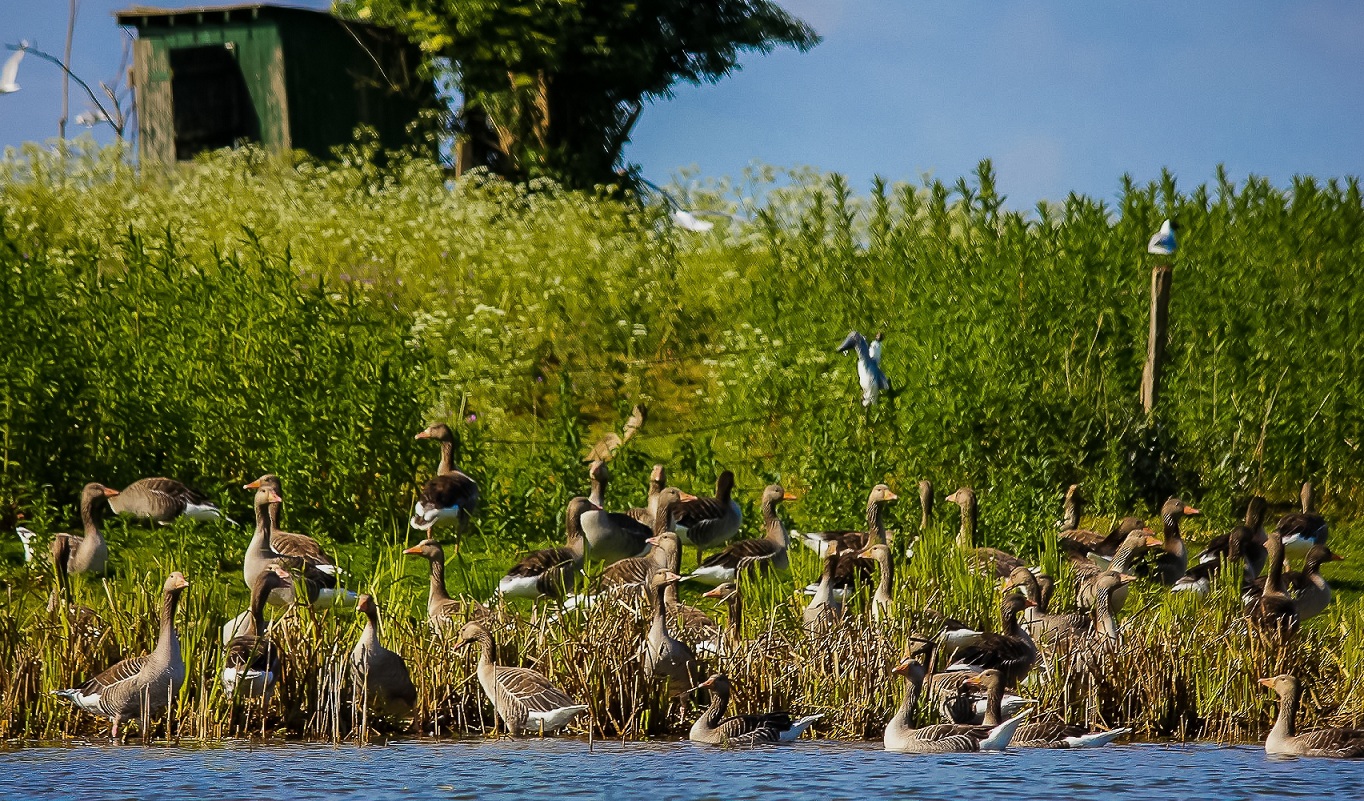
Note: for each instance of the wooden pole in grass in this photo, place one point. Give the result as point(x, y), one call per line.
point(1162, 276)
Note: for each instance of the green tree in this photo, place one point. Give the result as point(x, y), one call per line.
point(554, 87)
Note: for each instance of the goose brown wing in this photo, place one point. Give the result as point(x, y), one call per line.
point(1343, 742)
point(634, 570)
point(159, 497)
point(250, 651)
point(741, 553)
point(699, 511)
point(529, 691)
point(1001, 562)
point(1303, 525)
point(641, 515)
point(1009, 655)
point(451, 489)
point(115, 675)
point(299, 545)
point(950, 736)
point(538, 562)
point(739, 729)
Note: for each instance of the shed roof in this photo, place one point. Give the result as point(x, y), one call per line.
point(133, 15)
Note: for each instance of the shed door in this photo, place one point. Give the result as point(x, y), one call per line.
point(212, 105)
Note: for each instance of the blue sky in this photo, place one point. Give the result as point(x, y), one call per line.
point(1062, 96)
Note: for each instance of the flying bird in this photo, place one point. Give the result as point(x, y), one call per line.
point(10, 72)
point(869, 374)
point(688, 221)
point(1163, 241)
point(92, 118)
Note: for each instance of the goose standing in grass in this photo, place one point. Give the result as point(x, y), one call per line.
point(1274, 611)
point(1284, 739)
point(729, 639)
point(1198, 579)
point(658, 480)
point(161, 500)
point(1173, 560)
point(524, 699)
point(882, 601)
point(767, 552)
point(714, 728)
point(551, 572)
point(825, 609)
point(140, 685)
point(284, 542)
point(448, 496)
point(613, 536)
point(251, 660)
point(87, 552)
point(851, 570)
point(318, 583)
point(869, 375)
point(1251, 534)
point(1051, 732)
point(441, 609)
point(1309, 591)
point(383, 674)
point(941, 738)
point(1124, 561)
point(1300, 532)
point(1010, 650)
point(985, 560)
point(708, 522)
point(665, 656)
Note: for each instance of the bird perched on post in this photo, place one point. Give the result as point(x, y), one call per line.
point(1163, 241)
point(869, 374)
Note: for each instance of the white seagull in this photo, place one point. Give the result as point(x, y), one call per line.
point(1163, 241)
point(10, 72)
point(869, 374)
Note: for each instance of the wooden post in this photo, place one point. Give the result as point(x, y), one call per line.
point(1161, 278)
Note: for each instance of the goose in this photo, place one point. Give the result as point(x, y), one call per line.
point(665, 656)
point(319, 584)
point(1252, 538)
point(1173, 560)
point(524, 699)
point(284, 542)
point(925, 504)
point(901, 736)
point(606, 447)
point(1083, 545)
point(824, 610)
point(947, 690)
point(448, 496)
point(1308, 497)
point(658, 480)
point(85, 622)
point(251, 662)
point(851, 571)
point(161, 500)
point(1038, 620)
point(613, 536)
point(984, 560)
point(713, 728)
point(141, 685)
point(706, 522)
point(727, 641)
point(1049, 733)
point(1133, 545)
point(1070, 510)
point(598, 477)
point(1300, 532)
point(441, 609)
point(882, 602)
point(1309, 591)
point(381, 673)
point(767, 552)
point(551, 572)
point(1284, 739)
point(1011, 650)
point(665, 552)
point(1198, 579)
point(869, 375)
point(88, 552)
point(1274, 610)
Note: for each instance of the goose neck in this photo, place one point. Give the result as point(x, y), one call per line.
point(1103, 611)
point(260, 538)
point(438, 591)
point(994, 704)
point(715, 711)
point(774, 529)
point(1287, 723)
point(447, 457)
point(91, 514)
point(369, 638)
point(966, 538)
point(260, 593)
point(876, 526)
point(168, 641)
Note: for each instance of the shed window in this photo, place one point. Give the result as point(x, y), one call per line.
point(212, 105)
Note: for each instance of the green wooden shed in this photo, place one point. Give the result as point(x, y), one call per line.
point(221, 75)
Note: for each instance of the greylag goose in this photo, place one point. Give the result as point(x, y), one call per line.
point(1309, 591)
point(869, 375)
point(449, 495)
point(1252, 538)
point(825, 609)
point(987, 560)
point(1284, 739)
point(161, 500)
point(658, 479)
point(1173, 560)
point(87, 553)
point(251, 663)
point(1081, 545)
point(524, 699)
point(707, 522)
point(441, 609)
point(1038, 620)
point(882, 601)
point(551, 572)
point(1133, 546)
point(613, 536)
point(140, 685)
point(728, 594)
point(318, 582)
point(665, 656)
point(714, 728)
point(284, 542)
point(957, 701)
point(1010, 651)
point(1198, 579)
point(941, 738)
point(1070, 510)
point(819, 541)
point(381, 673)
point(665, 549)
point(1308, 498)
point(925, 504)
point(1300, 532)
point(1274, 610)
point(764, 553)
point(1049, 733)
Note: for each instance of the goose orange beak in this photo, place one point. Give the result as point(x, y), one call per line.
point(424, 435)
point(687, 496)
point(253, 485)
point(1152, 541)
point(109, 492)
point(274, 497)
point(890, 496)
point(1265, 682)
point(1189, 511)
point(789, 496)
point(415, 549)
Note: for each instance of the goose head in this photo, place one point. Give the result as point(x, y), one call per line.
point(267, 481)
point(717, 683)
point(175, 583)
point(597, 471)
point(427, 549)
point(774, 494)
point(471, 633)
point(1285, 685)
point(1174, 509)
point(723, 592)
point(437, 431)
point(881, 494)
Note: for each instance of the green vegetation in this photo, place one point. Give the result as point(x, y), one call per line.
point(246, 315)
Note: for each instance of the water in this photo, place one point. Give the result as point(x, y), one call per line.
point(667, 771)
